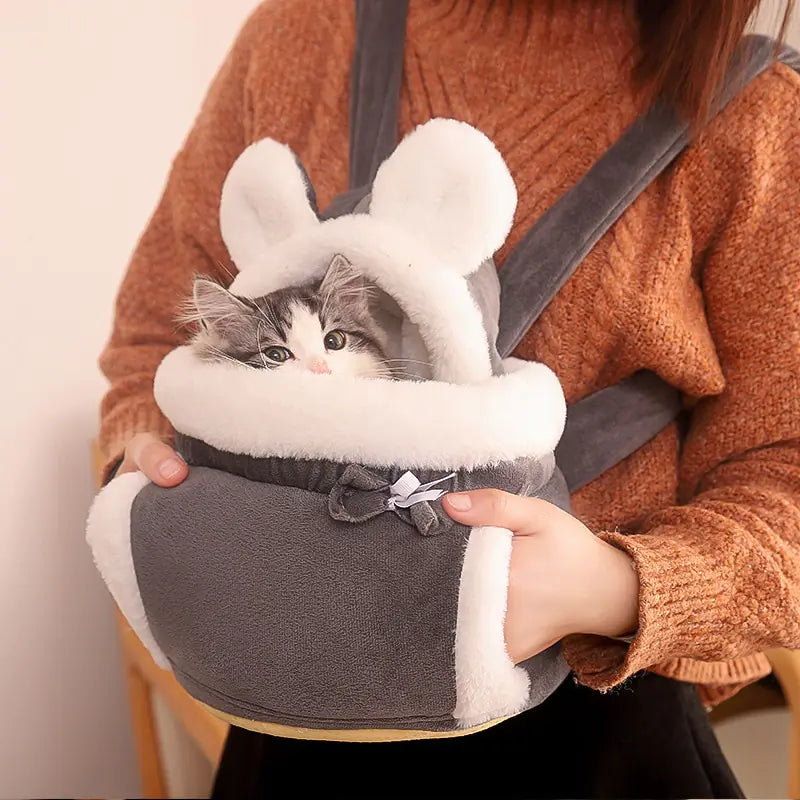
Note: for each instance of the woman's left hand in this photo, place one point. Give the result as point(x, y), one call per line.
point(563, 579)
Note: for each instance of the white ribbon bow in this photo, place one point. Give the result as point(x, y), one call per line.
point(407, 490)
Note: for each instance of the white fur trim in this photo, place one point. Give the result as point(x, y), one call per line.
point(263, 201)
point(434, 298)
point(108, 533)
point(488, 685)
point(447, 185)
point(408, 424)
point(442, 204)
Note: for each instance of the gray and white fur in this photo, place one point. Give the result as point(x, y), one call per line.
point(331, 327)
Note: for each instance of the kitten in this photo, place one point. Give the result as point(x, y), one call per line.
point(327, 328)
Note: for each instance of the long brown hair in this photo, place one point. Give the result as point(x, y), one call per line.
point(687, 46)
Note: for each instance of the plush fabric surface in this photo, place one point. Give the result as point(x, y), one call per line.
point(411, 424)
point(693, 282)
point(523, 476)
point(270, 609)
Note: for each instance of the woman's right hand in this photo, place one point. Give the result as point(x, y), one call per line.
point(158, 461)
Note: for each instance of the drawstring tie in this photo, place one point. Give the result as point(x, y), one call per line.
point(359, 495)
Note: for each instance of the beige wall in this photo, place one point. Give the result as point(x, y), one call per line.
point(767, 20)
point(95, 97)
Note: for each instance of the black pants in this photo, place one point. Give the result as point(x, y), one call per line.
point(649, 739)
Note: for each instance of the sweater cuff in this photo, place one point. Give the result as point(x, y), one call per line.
point(677, 610)
point(123, 422)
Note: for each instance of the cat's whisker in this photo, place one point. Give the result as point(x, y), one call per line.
point(393, 373)
point(220, 353)
point(258, 343)
point(268, 314)
point(408, 361)
point(381, 376)
point(353, 291)
point(217, 353)
point(225, 270)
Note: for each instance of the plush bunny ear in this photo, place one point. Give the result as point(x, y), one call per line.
point(448, 186)
point(265, 199)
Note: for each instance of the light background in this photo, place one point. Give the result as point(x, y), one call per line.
point(95, 99)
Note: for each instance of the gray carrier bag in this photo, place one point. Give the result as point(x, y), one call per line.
point(304, 580)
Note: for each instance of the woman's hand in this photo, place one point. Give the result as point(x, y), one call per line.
point(158, 461)
point(562, 580)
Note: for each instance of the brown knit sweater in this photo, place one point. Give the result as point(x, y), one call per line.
point(699, 281)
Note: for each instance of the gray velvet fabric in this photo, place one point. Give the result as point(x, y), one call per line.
point(357, 493)
point(346, 202)
point(484, 286)
point(375, 92)
point(609, 425)
point(270, 609)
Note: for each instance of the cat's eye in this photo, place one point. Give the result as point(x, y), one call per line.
point(335, 340)
point(278, 354)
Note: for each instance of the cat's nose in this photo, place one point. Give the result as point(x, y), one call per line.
point(319, 366)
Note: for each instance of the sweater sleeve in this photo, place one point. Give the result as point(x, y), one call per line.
point(181, 240)
point(720, 574)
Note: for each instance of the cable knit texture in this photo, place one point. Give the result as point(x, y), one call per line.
point(699, 281)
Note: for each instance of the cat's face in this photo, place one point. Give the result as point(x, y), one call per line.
point(325, 329)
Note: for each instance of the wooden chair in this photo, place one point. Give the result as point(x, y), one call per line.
point(786, 668)
point(145, 679)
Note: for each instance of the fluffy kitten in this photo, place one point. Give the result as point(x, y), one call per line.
point(328, 328)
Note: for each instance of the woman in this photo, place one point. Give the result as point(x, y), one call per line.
point(682, 561)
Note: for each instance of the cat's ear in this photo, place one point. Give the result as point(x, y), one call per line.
point(343, 281)
point(266, 198)
point(448, 186)
point(215, 308)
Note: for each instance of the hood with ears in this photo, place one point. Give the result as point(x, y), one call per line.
point(441, 205)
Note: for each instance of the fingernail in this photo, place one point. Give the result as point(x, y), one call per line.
point(169, 468)
point(459, 502)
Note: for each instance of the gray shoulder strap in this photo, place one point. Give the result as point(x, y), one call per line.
point(562, 237)
point(611, 424)
point(376, 74)
point(375, 81)
point(607, 426)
